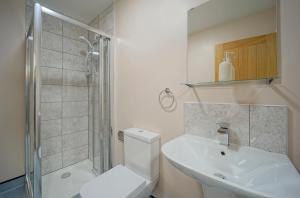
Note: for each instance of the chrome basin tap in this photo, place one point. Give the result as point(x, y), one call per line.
point(223, 132)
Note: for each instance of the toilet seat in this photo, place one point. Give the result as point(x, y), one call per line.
point(119, 182)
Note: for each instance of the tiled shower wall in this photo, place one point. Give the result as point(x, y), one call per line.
point(64, 95)
point(261, 126)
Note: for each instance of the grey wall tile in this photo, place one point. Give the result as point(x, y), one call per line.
point(63, 64)
point(239, 125)
point(269, 128)
point(50, 128)
point(52, 24)
point(74, 140)
point(97, 144)
point(51, 163)
point(51, 110)
point(75, 155)
point(75, 124)
point(73, 31)
point(72, 93)
point(92, 37)
point(106, 22)
point(75, 78)
point(73, 46)
point(74, 62)
point(51, 58)
point(51, 76)
point(51, 41)
point(95, 62)
point(96, 161)
point(51, 93)
point(72, 109)
point(94, 23)
point(201, 118)
point(29, 3)
point(51, 146)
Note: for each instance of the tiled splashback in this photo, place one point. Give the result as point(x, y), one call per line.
point(260, 126)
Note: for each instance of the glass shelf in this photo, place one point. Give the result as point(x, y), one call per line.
point(227, 83)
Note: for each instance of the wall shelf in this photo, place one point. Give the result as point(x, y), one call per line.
point(228, 83)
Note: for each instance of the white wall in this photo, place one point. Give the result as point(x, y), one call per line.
point(201, 45)
point(12, 77)
point(151, 55)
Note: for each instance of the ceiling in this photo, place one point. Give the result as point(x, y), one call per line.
point(215, 12)
point(82, 10)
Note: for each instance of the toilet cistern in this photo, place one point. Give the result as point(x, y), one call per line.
point(137, 177)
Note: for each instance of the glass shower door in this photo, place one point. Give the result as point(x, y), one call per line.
point(32, 103)
point(100, 125)
point(97, 69)
point(29, 135)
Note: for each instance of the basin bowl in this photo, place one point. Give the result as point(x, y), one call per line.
point(244, 171)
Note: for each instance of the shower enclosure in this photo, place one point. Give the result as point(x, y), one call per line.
point(68, 114)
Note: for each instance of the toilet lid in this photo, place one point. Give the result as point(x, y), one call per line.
point(119, 182)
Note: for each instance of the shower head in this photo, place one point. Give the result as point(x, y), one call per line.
point(87, 41)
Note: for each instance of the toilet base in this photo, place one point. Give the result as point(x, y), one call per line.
point(146, 192)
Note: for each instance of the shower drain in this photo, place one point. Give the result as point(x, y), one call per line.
point(65, 175)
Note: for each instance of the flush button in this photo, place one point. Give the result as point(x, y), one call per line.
point(140, 131)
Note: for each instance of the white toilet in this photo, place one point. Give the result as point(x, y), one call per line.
point(139, 175)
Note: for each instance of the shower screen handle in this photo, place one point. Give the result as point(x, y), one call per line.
point(37, 136)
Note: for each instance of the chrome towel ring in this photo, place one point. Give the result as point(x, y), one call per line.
point(164, 95)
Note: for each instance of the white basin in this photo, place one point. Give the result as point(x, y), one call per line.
point(243, 171)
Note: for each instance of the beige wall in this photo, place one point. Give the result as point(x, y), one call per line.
point(151, 48)
point(151, 55)
point(12, 69)
point(201, 45)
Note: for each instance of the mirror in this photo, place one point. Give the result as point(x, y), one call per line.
point(232, 40)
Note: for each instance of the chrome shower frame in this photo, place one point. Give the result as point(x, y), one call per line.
point(74, 22)
point(32, 82)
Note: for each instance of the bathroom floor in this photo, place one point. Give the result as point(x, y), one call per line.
point(66, 183)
